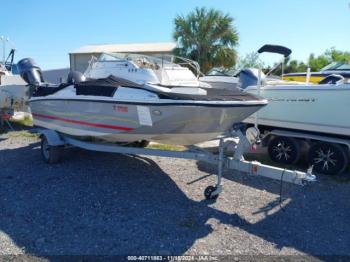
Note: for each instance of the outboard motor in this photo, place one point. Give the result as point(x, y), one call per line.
point(30, 72)
point(249, 77)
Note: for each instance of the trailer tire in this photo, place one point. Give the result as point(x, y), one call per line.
point(208, 193)
point(328, 158)
point(284, 150)
point(50, 154)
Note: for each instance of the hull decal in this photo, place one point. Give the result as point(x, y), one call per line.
point(82, 122)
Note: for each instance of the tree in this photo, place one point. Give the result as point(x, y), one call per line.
point(329, 56)
point(250, 60)
point(315, 63)
point(290, 66)
point(208, 37)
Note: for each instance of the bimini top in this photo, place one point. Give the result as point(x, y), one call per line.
point(278, 49)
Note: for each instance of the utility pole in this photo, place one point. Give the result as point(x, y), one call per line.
point(3, 48)
point(4, 40)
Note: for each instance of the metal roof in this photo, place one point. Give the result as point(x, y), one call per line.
point(127, 48)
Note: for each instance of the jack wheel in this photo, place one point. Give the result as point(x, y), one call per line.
point(50, 154)
point(208, 193)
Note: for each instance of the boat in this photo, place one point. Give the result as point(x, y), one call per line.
point(301, 118)
point(307, 107)
point(320, 108)
point(128, 98)
point(244, 77)
point(339, 68)
point(14, 91)
point(305, 119)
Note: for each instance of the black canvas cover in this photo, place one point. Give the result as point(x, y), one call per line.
point(103, 86)
point(213, 94)
point(282, 50)
point(47, 89)
point(108, 86)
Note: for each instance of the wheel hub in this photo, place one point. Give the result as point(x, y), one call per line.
point(282, 151)
point(325, 158)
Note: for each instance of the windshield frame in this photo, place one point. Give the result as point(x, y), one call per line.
point(334, 66)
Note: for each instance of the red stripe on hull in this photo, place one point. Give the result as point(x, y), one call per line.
point(83, 122)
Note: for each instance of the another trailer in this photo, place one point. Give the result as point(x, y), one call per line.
point(327, 154)
point(52, 144)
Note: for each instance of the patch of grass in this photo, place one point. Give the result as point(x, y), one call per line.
point(26, 121)
point(166, 147)
point(17, 125)
point(22, 133)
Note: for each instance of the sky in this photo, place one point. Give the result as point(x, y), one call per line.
point(48, 30)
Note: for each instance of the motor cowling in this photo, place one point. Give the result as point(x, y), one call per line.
point(249, 77)
point(30, 71)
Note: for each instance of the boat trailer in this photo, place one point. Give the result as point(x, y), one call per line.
point(52, 143)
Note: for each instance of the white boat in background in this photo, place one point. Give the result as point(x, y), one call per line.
point(305, 107)
point(339, 68)
point(300, 116)
point(319, 108)
point(143, 69)
point(14, 92)
point(302, 106)
point(305, 118)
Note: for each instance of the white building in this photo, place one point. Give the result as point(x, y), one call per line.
point(79, 58)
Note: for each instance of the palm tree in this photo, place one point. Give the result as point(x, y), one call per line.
point(208, 37)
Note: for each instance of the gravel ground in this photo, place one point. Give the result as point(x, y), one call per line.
point(98, 203)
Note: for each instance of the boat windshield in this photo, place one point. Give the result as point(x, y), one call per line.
point(336, 66)
point(154, 62)
point(222, 72)
point(108, 57)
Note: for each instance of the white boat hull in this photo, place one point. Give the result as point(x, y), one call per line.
point(312, 108)
point(14, 93)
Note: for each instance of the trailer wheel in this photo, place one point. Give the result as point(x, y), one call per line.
point(208, 193)
point(50, 154)
point(284, 150)
point(327, 158)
